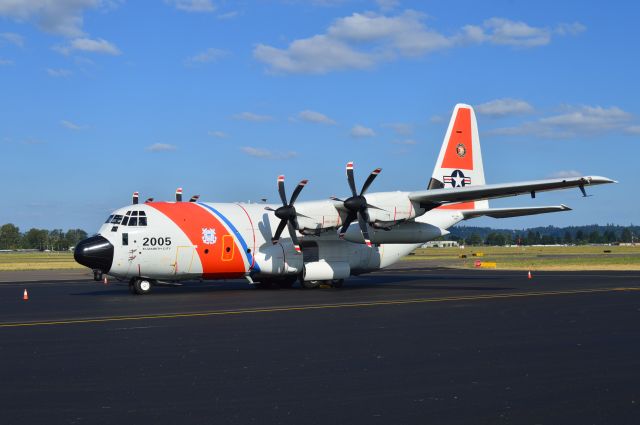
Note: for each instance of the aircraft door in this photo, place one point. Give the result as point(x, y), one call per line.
point(184, 260)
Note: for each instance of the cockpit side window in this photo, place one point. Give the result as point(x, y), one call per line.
point(109, 219)
point(125, 220)
point(116, 219)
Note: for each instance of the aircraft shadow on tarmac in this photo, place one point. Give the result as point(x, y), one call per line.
point(378, 282)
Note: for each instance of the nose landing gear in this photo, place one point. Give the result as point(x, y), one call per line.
point(140, 286)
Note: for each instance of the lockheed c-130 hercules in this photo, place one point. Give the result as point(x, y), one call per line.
point(162, 243)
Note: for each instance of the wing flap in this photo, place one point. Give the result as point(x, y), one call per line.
point(436, 197)
point(512, 212)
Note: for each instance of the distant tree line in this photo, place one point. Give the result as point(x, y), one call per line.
point(573, 235)
point(41, 239)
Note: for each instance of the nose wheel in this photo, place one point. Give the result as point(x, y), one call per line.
point(140, 286)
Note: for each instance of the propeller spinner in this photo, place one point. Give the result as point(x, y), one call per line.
point(287, 212)
point(357, 206)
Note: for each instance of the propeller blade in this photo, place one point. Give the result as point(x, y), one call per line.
point(283, 195)
point(347, 221)
point(351, 179)
point(135, 198)
point(333, 198)
point(297, 191)
point(370, 180)
point(363, 218)
point(179, 194)
point(194, 198)
point(148, 200)
point(279, 230)
point(292, 233)
point(269, 209)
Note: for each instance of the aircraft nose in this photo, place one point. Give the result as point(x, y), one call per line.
point(95, 252)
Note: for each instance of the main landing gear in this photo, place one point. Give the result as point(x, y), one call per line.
point(140, 285)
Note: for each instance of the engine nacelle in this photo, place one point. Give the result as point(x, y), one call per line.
point(407, 232)
point(322, 270)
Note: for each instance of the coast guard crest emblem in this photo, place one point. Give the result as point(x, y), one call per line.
point(209, 236)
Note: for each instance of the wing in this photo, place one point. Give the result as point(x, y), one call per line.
point(512, 212)
point(436, 197)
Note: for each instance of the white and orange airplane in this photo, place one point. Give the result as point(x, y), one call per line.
point(162, 243)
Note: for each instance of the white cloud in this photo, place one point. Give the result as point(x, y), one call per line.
point(405, 142)
point(507, 32)
point(59, 72)
point(435, 119)
point(5, 62)
point(400, 128)
point(71, 125)
point(228, 15)
point(359, 131)
point(565, 174)
point(160, 147)
point(315, 117)
point(13, 38)
point(198, 6)
point(575, 121)
point(218, 134)
point(362, 40)
point(209, 55)
point(62, 17)
point(633, 129)
point(504, 107)
point(267, 154)
point(388, 4)
point(89, 45)
point(250, 116)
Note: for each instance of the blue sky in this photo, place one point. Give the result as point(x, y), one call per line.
point(101, 98)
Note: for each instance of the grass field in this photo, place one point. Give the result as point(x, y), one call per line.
point(536, 258)
point(11, 261)
point(506, 258)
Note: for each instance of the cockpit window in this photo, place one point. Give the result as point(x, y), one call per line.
point(116, 219)
point(133, 221)
point(134, 212)
point(109, 219)
point(142, 221)
point(125, 220)
point(128, 213)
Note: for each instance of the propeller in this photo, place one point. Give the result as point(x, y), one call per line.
point(179, 194)
point(135, 198)
point(357, 206)
point(287, 212)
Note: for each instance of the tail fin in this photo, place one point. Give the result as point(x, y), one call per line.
point(460, 161)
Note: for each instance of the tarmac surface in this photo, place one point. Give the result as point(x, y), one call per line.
point(408, 345)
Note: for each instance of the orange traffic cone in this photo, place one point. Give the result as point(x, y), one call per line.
point(529, 275)
point(25, 296)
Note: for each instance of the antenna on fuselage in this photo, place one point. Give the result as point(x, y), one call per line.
point(179, 194)
point(194, 198)
point(148, 200)
point(135, 198)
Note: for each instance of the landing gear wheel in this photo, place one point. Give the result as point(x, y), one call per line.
point(337, 283)
point(142, 286)
point(310, 284)
point(97, 275)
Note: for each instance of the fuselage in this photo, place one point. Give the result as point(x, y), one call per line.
point(175, 241)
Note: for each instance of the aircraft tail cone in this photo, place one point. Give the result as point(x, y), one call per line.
point(25, 296)
point(529, 275)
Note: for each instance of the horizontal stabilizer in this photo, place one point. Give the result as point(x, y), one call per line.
point(512, 212)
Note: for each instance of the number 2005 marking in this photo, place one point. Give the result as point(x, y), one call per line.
point(166, 241)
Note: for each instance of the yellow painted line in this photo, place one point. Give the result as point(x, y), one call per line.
point(313, 307)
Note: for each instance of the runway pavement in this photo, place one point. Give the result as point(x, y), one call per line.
point(409, 345)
